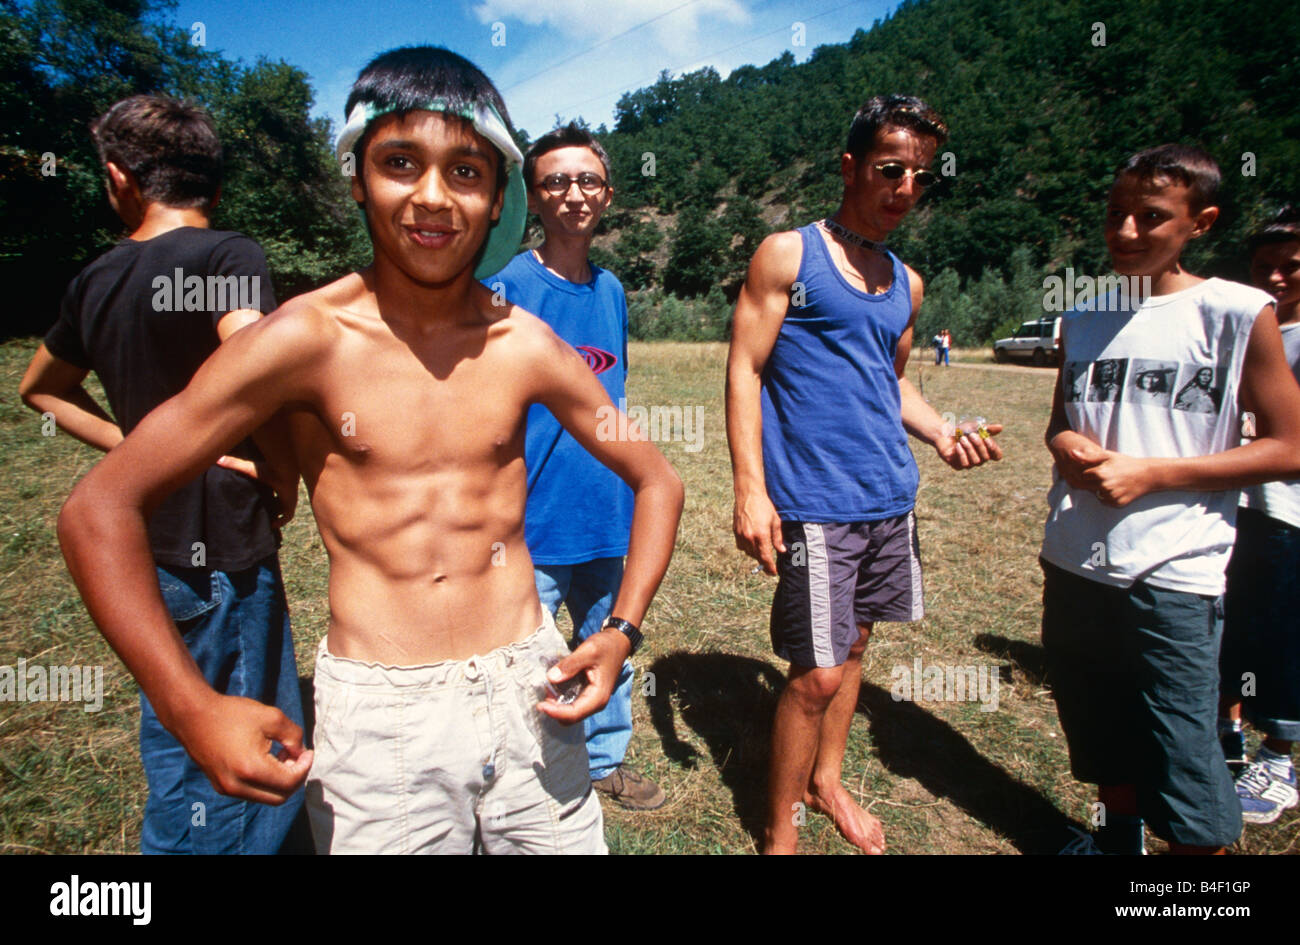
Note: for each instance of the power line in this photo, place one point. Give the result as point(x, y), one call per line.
point(603, 42)
point(718, 52)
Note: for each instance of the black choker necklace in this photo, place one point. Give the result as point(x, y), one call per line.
point(845, 233)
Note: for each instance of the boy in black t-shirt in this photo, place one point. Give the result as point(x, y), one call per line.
point(144, 316)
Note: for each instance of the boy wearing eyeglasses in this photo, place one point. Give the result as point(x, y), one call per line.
point(579, 512)
point(818, 412)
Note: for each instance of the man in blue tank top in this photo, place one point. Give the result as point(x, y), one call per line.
point(818, 413)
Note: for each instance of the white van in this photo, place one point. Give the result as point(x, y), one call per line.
point(1039, 341)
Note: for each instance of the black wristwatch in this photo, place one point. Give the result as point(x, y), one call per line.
point(628, 630)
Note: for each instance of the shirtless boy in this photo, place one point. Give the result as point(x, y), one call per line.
point(406, 391)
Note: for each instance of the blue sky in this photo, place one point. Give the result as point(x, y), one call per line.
point(571, 57)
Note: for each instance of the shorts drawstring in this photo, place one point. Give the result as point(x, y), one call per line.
point(474, 669)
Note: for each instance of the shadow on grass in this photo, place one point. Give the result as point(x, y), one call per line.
point(1027, 657)
point(912, 743)
point(729, 702)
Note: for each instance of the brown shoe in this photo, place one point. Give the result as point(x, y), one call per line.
point(631, 789)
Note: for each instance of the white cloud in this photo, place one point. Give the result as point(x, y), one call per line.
point(590, 21)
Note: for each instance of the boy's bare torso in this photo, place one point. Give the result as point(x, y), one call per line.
point(411, 446)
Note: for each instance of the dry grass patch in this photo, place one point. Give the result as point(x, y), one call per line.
point(944, 777)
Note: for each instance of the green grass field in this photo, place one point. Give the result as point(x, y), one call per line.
point(944, 777)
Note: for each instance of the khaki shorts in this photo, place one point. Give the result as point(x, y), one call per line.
point(450, 757)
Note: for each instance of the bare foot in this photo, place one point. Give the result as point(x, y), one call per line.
point(856, 825)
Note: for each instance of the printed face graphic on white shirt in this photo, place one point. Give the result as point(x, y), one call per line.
point(1194, 388)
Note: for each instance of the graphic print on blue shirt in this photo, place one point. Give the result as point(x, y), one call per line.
point(578, 510)
point(599, 361)
point(834, 447)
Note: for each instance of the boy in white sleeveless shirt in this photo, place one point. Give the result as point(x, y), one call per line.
point(1148, 469)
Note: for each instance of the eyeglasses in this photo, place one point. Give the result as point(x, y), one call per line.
point(557, 185)
point(895, 171)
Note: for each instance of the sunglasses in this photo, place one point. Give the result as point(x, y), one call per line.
point(895, 171)
point(558, 184)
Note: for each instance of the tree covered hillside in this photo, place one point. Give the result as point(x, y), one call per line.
point(1040, 111)
point(1044, 99)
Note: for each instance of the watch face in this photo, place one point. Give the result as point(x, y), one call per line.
point(628, 630)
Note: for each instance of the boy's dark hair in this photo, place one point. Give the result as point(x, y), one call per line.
point(566, 136)
point(1283, 228)
point(410, 77)
point(900, 111)
point(169, 146)
point(1190, 166)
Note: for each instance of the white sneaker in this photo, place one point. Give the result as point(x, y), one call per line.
point(1263, 794)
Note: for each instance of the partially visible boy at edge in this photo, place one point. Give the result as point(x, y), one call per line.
point(406, 390)
point(1143, 509)
point(1260, 661)
point(214, 541)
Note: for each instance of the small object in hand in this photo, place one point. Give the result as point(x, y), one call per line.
point(981, 427)
point(567, 692)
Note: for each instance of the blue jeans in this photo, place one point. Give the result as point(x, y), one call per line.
point(588, 590)
point(236, 626)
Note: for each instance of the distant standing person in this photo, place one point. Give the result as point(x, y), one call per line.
point(818, 412)
point(214, 540)
point(579, 512)
point(937, 341)
point(946, 335)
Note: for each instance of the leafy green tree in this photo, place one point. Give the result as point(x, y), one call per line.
point(632, 261)
point(697, 260)
point(64, 62)
point(744, 223)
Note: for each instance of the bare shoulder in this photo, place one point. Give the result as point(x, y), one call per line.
point(532, 354)
point(308, 324)
point(776, 261)
point(915, 282)
point(286, 355)
point(528, 339)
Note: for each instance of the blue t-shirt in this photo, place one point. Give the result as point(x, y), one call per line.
point(578, 510)
point(834, 447)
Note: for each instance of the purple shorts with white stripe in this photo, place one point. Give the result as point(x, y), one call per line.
point(837, 576)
